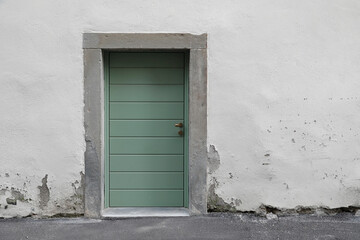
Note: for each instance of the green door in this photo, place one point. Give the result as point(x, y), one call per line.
point(145, 108)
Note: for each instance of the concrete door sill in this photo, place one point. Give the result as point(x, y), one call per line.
point(131, 212)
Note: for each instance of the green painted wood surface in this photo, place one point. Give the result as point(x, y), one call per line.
point(153, 76)
point(146, 110)
point(146, 145)
point(186, 131)
point(146, 180)
point(163, 60)
point(144, 128)
point(146, 198)
point(147, 93)
point(106, 130)
point(146, 153)
point(157, 163)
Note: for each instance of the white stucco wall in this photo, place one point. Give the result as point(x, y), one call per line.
point(283, 97)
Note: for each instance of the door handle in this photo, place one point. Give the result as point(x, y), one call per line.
point(180, 125)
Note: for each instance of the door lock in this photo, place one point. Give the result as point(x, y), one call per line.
point(180, 125)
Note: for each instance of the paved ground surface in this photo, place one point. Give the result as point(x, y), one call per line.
point(211, 226)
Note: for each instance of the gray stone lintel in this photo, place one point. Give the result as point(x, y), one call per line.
point(94, 44)
point(144, 41)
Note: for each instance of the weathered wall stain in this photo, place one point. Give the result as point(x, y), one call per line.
point(19, 197)
point(76, 201)
point(215, 202)
point(3, 191)
point(16, 195)
point(44, 193)
point(213, 159)
point(11, 201)
point(79, 190)
point(263, 209)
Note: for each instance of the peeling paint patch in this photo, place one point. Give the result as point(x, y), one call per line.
point(17, 195)
point(77, 199)
point(264, 210)
point(74, 204)
point(215, 202)
point(213, 159)
point(79, 190)
point(11, 201)
point(44, 193)
point(13, 195)
point(237, 202)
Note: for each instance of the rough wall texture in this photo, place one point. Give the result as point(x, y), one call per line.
point(41, 108)
point(283, 105)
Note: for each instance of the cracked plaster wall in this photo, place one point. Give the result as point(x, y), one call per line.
point(283, 97)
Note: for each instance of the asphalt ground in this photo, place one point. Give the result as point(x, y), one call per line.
point(210, 226)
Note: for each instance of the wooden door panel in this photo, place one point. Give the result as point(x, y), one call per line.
point(147, 163)
point(144, 128)
point(146, 110)
point(147, 198)
point(148, 145)
point(145, 151)
point(140, 93)
point(146, 180)
point(153, 76)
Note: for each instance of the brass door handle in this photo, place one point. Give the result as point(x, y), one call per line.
point(180, 125)
point(180, 132)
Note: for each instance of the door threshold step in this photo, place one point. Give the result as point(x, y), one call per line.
point(133, 212)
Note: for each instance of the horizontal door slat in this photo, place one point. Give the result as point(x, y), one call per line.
point(146, 180)
point(146, 198)
point(146, 93)
point(147, 163)
point(146, 110)
point(139, 145)
point(147, 60)
point(146, 76)
point(144, 128)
